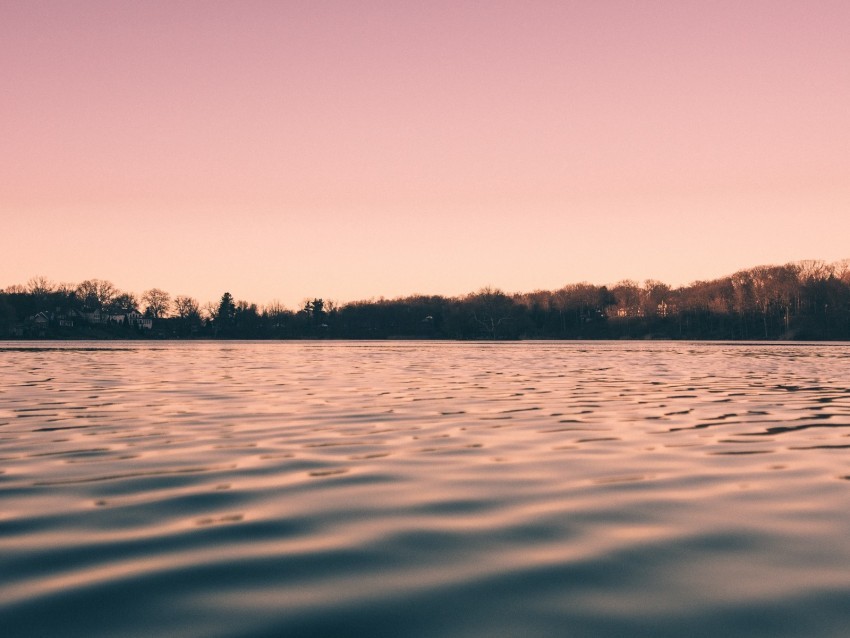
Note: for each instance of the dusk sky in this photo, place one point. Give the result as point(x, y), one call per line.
point(347, 150)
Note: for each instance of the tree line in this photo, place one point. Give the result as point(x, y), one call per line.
point(807, 300)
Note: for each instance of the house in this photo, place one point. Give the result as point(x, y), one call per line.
point(619, 310)
point(133, 317)
point(95, 317)
point(40, 320)
point(37, 324)
point(137, 319)
point(70, 318)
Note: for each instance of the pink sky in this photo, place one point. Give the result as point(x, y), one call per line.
point(283, 150)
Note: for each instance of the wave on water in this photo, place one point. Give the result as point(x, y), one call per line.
point(424, 489)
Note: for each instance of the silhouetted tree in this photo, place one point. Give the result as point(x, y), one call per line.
point(40, 286)
point(188, 314)
point(122, 303)
point(186, 307)
point(96, 294)
point(158, 302)
point(806, 300)
point(491, 309)
point(225, 313)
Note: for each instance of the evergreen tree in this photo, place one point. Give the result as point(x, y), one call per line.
point(226, 311)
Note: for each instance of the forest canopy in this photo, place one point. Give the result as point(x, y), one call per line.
point(808, 300)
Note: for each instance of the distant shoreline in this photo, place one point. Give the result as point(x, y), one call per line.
point(805, 301)
point(482, 341)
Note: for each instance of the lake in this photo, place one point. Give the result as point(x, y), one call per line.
point(424, 489)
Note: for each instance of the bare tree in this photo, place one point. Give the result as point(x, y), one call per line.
point(842, 270)
point(158, 302)
point(275, 308)
point(40, 286)
point(210, 311)
point(654, 297)
point(814, 269)
point(123, 302)
point(96, 293)
point(490, 309)
point(66, 288)
point(186, 307)
point(628, 296)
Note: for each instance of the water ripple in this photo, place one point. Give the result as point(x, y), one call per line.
point(421, 489)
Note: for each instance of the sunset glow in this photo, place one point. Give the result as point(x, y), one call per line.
point(346, 150)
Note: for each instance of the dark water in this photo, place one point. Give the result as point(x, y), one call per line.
point(424, 489)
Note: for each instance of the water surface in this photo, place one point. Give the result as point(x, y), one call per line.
point(424, 489)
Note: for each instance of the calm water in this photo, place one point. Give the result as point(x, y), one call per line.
point(424, 489)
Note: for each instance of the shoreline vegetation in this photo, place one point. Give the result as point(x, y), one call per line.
point(802, 301)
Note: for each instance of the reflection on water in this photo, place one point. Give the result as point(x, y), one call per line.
point(424, 489)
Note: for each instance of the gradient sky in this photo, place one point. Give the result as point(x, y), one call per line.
point(345, 150)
